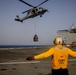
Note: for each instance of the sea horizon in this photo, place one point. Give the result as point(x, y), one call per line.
point(22, 46)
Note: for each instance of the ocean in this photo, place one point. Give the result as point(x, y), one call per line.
point(22, 46)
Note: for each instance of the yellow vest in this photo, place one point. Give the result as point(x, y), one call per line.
point(59, 56)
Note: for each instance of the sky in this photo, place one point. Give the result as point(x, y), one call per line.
point(61, 15)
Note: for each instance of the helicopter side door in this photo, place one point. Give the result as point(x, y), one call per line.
point(33, 12)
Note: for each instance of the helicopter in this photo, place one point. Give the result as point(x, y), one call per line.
point(33, 12)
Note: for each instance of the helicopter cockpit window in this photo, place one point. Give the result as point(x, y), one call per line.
point(36, 10)
point(40, 9)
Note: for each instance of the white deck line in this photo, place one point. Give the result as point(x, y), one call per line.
point(72, 60)
point(28, 62)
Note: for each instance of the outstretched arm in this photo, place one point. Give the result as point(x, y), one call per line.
point(42, 55)
point(72, 53)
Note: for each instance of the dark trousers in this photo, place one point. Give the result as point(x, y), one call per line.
point(60, 72)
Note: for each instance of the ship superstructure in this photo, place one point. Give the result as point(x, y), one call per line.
point(68, 35)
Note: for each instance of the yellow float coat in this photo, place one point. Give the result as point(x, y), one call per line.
point(59, 56)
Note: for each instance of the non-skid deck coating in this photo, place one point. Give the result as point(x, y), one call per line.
point(13, 62)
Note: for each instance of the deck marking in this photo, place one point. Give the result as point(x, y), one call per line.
point(72, 60)
point(27, 62)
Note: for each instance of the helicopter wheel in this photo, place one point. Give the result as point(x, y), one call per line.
point(40, 15)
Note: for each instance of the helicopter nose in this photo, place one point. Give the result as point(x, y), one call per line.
point(45, 10)
point(48, 11)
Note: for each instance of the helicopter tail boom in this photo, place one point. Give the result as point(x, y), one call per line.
point(18, 19)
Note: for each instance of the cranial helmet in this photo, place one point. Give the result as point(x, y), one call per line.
point(58, 40)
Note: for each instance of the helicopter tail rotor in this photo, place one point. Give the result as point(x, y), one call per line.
point(17, 16)
point(18, 19)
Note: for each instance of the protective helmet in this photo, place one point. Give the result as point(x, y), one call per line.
point(58, 40)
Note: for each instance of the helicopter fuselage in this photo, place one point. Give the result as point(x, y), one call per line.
point(36, 12)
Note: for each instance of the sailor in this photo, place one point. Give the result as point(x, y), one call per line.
point(59, 55)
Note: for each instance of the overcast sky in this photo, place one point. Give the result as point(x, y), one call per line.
point(61, 15)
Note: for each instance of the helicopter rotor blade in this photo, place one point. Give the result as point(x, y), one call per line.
point(25, 11)
point(42, 3)
point(26, 3)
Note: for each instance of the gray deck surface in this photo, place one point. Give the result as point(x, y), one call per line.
point(19, 55)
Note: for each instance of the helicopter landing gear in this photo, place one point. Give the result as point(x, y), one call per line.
point(40, 15)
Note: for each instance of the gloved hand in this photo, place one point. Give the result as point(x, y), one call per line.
point(30, 58)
